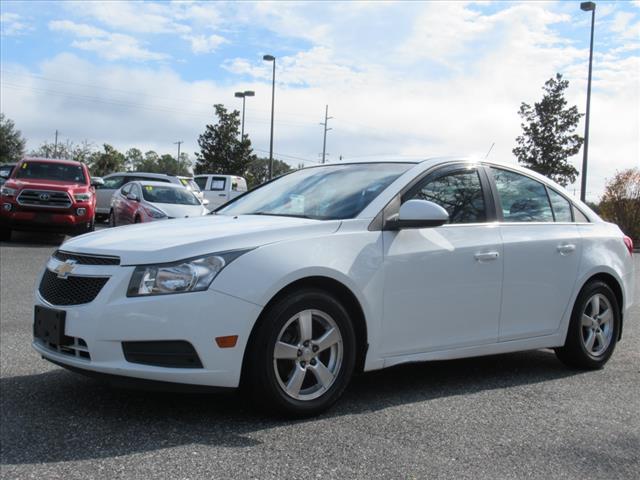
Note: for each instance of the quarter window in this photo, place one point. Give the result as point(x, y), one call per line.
point(561, 206)
point(523, 199)
point(459, 193)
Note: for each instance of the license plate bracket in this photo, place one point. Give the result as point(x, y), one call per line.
point(48, 325)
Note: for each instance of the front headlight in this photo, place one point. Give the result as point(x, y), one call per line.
point(154, 212)
point(191, 275)
point(8, 192)
point(82, 197)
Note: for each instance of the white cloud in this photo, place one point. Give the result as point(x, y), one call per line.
point(622, 24)
point(12, 24)
point(204, 43)
point(111, 46)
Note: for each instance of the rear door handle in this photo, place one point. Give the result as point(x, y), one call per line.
point(222, 194)
point(486, 256)
point(566, 249)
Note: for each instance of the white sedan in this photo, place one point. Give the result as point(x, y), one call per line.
point(292, 287)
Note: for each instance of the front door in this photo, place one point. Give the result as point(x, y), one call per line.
point(442, 285)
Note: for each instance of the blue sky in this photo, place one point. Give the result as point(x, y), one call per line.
point(402, 79)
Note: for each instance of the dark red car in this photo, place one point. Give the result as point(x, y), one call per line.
point(48, 195)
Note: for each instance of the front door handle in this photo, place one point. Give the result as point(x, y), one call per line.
point(566, 249)
point(222, 194)
point(486, 256)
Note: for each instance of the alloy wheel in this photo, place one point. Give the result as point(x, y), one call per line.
point(308, 354)
point(597, 325)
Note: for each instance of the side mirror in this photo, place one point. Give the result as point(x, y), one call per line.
point(419, 214)
point(132, 196)
point(205, 202)
point(97, 181)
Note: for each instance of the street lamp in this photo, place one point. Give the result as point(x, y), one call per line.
point(271, 58)
point(243, 95)
point(587, 7)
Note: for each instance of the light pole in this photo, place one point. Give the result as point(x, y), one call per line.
point(179, 142)
point(271, 58)
point(587, 7)
point(243, 95)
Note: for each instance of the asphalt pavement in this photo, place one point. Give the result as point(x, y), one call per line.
point(521, 415)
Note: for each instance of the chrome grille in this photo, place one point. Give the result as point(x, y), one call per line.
point(44, 198)
point(82, 259)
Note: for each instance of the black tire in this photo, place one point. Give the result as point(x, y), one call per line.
point(575, 353)
point(86, 228)
point(260, 378)
point(112, 219)
point(5, 235)
point(137, 219)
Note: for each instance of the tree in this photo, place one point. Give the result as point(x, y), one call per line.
point(258, 171)
point(548, 139)
point(621, 202)
point(108, 161)
point(11, 141)
point(220, 149)
point(66, 150)
point(132, 159)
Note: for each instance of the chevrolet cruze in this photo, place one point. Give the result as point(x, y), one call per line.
point(289, 289)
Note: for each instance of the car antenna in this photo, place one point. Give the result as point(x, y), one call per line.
point(490, 148)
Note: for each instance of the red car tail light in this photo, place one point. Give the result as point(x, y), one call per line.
point(629, 243)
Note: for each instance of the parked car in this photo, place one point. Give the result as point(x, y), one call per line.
point(190, 184)
point(115, 181)
point(337, 268)
point(5, 172)
point(48, 195)
point(219, 189)
point(141, 202)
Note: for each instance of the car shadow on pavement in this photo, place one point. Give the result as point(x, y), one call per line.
point(59, 416)
point(34, 239)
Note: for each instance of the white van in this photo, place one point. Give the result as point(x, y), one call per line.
point(219, 189)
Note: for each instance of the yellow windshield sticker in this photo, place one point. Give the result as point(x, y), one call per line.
point(148, 188)
point(24, 165)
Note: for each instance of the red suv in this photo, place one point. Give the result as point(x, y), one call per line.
point(48, 195)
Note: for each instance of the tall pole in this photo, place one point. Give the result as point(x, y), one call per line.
point(55, 146)
point(242, 131)
point(271, 58)
point(587, 6)
point(179, 142)
point(324, 139)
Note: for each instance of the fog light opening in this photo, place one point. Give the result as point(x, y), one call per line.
point(81, 211)
point(7, 207)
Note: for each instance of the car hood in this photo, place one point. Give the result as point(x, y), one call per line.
point(172, 240)
point(41, 184)
point(179, 211)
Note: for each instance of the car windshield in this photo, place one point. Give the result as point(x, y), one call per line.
point(323, 193)
point(161, 194)
point(62, 172)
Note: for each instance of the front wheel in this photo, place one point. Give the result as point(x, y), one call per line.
point(593, 330)
point(302, 355)
point(112, 219)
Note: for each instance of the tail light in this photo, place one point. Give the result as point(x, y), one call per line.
point(629, 243)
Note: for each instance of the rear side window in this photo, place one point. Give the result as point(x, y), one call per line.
point(112, 183)
point(561, 207)
point(523, 199)
point(201, 181)
point(217, 183)
point(459, 193)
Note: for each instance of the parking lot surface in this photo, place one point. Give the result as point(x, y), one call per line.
point(521, 415)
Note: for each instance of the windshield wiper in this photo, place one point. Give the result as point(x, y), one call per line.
point(282, 215)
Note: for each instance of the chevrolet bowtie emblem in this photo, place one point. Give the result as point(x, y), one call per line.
point(65, 268)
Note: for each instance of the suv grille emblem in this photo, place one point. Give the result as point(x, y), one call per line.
point(44, 197)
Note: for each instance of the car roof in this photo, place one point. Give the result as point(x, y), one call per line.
point(137, 174)
point(157, 184)
point(52, 160)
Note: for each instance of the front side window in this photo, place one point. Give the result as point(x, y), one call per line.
point(523, 199)
point(126, 189)
point(61, 172)
point(172, 195)
point(459, 193)
point(561, 206)
point(323, 193)
point(111, 183)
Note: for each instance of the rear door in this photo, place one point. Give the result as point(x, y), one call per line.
point(542, 249)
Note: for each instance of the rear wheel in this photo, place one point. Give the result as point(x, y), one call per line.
point(302, 355)
point(112, 219)
point(593, 330)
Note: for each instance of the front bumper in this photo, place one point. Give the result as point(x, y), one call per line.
point(112, 318)
point(20, 218)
